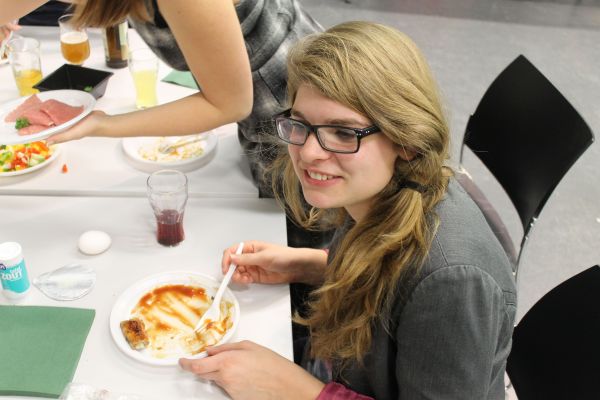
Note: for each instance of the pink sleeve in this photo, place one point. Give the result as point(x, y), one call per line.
point(335, 391)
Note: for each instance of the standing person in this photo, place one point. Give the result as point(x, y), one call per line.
point(416, 297)
point(236, 53)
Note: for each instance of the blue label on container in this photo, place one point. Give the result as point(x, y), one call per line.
point(14, 278)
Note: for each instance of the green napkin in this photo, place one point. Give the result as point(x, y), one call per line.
point(181, 78)
point(40, 348)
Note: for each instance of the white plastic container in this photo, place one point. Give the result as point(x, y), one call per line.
point(13, 273)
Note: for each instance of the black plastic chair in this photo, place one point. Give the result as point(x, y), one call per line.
point(528, 136)
point(556, 346)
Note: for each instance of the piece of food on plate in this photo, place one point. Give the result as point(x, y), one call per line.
point(17, 157)
point(32, 102)
point(41, 115)
point(151, 152)
point(60, 112)
point(31, 129)
point(135, 333)
point(35, 116)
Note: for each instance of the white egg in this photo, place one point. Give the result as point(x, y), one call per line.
point(94, 242)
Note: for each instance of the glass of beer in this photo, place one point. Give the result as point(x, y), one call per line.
point(74, 42)
point(24, 57)
point(143, 65)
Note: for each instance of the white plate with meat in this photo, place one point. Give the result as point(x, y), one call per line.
point(42, 115)
point(153, 320)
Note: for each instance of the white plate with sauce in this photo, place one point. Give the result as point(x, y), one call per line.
point(128, 300)
point(133, 145)
point(75, 98)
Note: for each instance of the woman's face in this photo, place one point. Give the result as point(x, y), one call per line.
point(332, 180)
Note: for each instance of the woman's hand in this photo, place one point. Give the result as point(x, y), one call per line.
point(88, 126)
point(6, 29)
point(246, 370)
point(268, 263)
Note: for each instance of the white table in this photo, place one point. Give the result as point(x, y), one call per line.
point(98, 166)
point(46, 211)
point(48, 228)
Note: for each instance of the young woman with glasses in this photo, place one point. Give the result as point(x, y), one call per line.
point(415, 297)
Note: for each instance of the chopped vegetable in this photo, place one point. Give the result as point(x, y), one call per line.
point(21, 156)
point(88, 89)
point(22, 123)
point(64, 169)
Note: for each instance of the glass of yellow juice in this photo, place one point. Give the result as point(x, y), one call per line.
point(74, 42)
point(143, 65)
point(24, 57)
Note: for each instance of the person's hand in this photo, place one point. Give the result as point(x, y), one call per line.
point(246, 370)
point(268, 263)
point(6, 29)
point(88, 126)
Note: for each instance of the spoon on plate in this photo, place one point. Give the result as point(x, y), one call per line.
point(214, 311)
point(166, 148)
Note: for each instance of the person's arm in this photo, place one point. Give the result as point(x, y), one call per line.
point(449, 336)
point(210, 37)
point(11, 9)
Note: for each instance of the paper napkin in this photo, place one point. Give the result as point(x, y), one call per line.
point(40, 348)
point(181, 78)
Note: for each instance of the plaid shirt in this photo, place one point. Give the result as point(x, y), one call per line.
point(270, 28)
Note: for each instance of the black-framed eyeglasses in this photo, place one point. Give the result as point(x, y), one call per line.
point(334, 138)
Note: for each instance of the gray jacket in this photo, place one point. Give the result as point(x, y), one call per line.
point(451, 335)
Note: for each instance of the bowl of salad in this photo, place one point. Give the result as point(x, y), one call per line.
point(18, 159)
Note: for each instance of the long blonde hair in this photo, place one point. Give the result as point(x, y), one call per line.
point(380, 73)
point(104, 13)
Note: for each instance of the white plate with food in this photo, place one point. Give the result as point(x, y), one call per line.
point(143, 152)
point(41, 115)
point(22, 159)
point(153, 320)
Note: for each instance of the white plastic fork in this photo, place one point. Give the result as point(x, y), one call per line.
point(214, 311)
point(166, 148)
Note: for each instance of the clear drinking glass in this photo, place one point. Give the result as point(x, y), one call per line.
point(24, 57)
point(168, 193)
point(74, 42)
point(143, 65)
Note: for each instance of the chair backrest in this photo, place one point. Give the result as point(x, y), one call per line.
point(556, 345)
point(527, 135)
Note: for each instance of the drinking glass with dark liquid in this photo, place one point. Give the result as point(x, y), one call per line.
point(168, 193)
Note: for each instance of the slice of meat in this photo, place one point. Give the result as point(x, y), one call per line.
point(33, 102)
point(135, 333)
point(31, 129)
point(60, 112)
point(37, 117)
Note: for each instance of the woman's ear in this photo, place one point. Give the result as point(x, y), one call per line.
point(406, 153)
